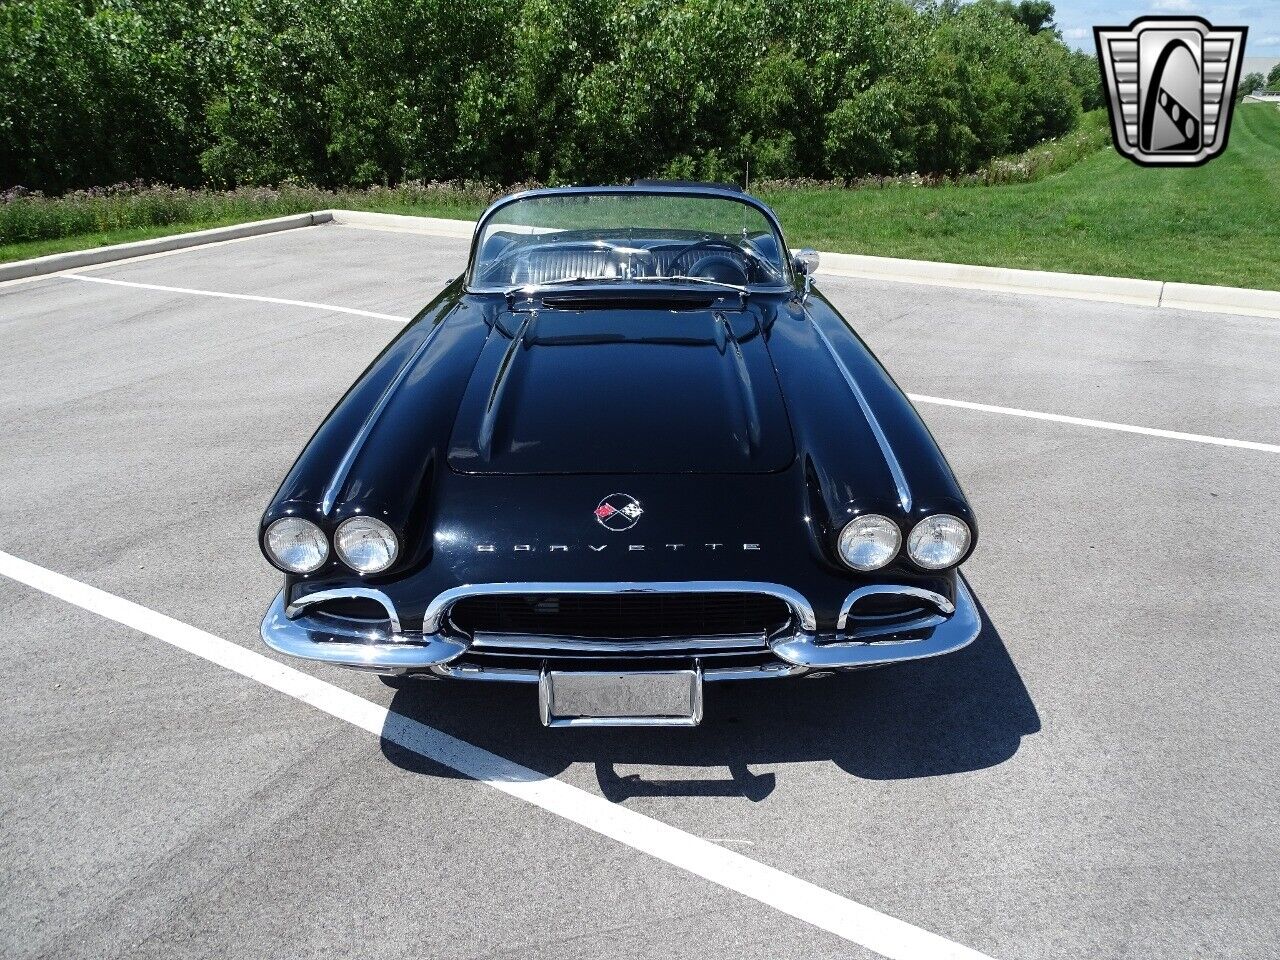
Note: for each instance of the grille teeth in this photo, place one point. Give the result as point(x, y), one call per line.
point(622, 616)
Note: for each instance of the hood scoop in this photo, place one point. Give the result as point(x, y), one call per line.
point(636, 390)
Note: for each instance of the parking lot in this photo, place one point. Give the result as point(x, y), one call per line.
point(1094, 778)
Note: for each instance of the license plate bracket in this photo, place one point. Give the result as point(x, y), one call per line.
point(620, 698)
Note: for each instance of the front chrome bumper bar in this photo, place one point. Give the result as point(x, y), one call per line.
point(389, 649)
point(382, 651)
point(954, 627)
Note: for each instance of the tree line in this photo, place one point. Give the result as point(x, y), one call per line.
point(345, 93)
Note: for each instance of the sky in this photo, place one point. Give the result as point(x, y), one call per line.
point(1077, 18)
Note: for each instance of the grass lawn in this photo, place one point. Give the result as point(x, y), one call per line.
point(1217, 224)
point(83, 241)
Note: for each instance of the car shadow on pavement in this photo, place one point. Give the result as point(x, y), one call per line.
point(964, 711)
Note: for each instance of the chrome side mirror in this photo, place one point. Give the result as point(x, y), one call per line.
point(805, 262)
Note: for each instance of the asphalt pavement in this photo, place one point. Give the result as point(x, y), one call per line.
point(1096, 777)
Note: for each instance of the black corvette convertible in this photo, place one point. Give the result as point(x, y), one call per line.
point(629, 452)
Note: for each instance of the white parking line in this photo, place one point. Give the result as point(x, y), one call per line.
point(1099, 424)
point(798, 898)
point(238, 296)
point(915, 397)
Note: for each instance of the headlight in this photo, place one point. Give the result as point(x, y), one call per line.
point(366, 545)
point(938, 541)
point(296, 545)
point(868, 543)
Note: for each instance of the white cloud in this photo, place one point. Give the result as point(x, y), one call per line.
point(1173, 6)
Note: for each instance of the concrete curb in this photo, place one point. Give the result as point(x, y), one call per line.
point(1194, 296)
point(54, 263)
point(1074, 286)
point(1041, 283)
point(435, 226)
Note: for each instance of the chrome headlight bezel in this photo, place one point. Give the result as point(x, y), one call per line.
point(929, 526)
point(369, 530)
point(886, 540)
point(274, 543)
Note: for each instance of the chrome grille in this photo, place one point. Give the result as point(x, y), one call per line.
point(621, 616)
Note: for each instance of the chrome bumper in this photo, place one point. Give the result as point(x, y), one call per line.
point(388, 649)
point(383, 651)
point(954, 627)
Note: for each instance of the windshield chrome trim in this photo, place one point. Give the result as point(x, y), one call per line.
point(719, 193)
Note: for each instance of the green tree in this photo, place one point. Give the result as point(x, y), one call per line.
point(1252, 83)
point(1035, 15)
point(363, 92)
point(1273, 78)
point(1087, 79)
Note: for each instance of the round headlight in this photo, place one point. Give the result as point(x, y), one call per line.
point(868, 543)
point(938, 541)
point(296, 545)
point(366, 545)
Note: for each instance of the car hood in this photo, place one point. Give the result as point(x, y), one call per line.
point(681, 411)
point(623, 391)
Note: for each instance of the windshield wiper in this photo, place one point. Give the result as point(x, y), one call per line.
point(683, 278)
point(530, 287)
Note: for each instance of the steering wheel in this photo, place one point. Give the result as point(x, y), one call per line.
point(707, 243)
point(719, 266)
point(716, 266)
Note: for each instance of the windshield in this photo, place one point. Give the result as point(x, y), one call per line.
point(631, 237)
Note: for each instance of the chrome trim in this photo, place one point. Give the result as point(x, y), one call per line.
point(498, 643)
point(765, 671)
point(348, 642)
point(890, 458)
point(944, 607)
point(806, 622)
point(372, 649)
point(292, 610)
point(469, 671)
point(957, 631)
point(334, 487)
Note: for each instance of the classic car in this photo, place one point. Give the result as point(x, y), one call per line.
point(630, 451)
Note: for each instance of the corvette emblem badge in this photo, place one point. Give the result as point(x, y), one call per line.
point(1171, 85)
point(618, 512)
